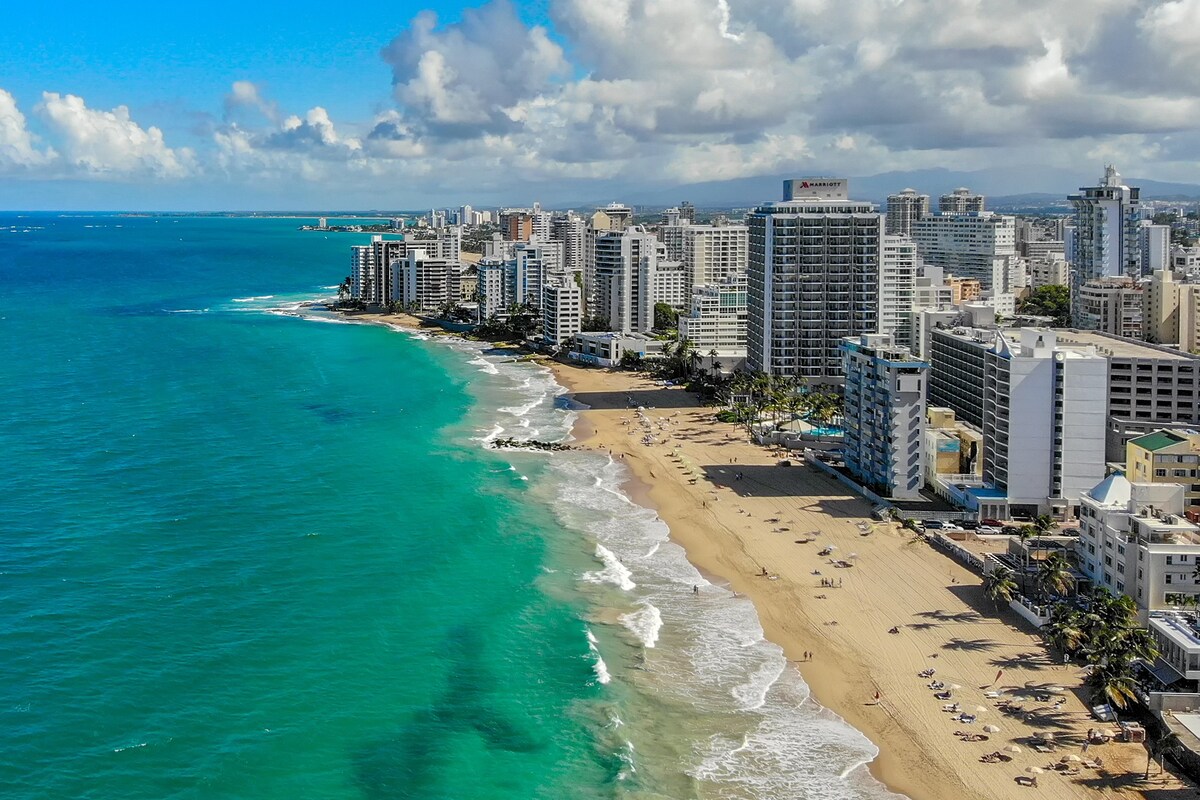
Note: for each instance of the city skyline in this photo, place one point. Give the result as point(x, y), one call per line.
point(439, 103)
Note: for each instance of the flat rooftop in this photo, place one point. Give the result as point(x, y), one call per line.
point(1120, 347)
point(1177, 627)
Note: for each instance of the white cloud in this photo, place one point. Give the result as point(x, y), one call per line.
point(18, 149)
point(110, 143)
point(248, 95)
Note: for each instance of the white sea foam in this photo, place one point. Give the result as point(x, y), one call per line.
point(253, 299)
point(598, 665)
point(186, 310)
point(645, 623)
point(614, 571)
point(485, 366)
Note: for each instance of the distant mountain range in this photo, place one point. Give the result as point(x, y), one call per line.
point(1003, 186)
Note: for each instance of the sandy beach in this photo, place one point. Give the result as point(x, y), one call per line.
point(737, 514)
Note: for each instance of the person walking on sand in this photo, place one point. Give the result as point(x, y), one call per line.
point(695, 588)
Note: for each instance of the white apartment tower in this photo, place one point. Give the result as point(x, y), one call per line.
point(1045, 412)
point(625, 263)
point(1107, 239)
point(562, 310)
point(884, 412)
point(717, 320)
point(898, 267)
point(714, 254)
point(904, 209)
point(979, 245)
point(813, 278)
point(961, 201)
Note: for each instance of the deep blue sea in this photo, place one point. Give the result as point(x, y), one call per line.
point(248, 550)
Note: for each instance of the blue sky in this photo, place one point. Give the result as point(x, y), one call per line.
point(274, 105)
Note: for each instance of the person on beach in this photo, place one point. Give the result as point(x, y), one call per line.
point(695, 588)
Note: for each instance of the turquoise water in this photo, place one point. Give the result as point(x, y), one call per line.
point(247, 553)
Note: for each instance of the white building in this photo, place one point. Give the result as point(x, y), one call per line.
point(625, 263)
point(978, 245)
point(961, 201)
point(1155, 241)
point(494, 290)
point(606, 348)
point(813, 279)
point(898, 266)
point(562, 310)
point(426, 282)
point(717, 320)
point(714, 253)
point(1044, 420)
point(671, 235)
point(903, 211)
point(1049, 269)
point(1041, 406)
point(1134, 540)
point(570, 229)
point(1106, 241)
point(1112, 305)
point(884, 413)
point(670, 283)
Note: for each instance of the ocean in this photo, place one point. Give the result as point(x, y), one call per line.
point(249, 550)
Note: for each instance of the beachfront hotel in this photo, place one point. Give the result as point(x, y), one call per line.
point(813, 279)
point(1041, 407)
point(884, 411)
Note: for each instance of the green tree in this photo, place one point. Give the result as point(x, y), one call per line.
point(1054, 574)
point(1160, 747)
point(1063, 628)
point(1049, 301)
point(665, 317)
point(999, 586)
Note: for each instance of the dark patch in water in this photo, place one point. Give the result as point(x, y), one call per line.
point(331, 414)
point(407, 763)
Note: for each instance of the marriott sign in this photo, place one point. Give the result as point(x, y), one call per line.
point(816, 188)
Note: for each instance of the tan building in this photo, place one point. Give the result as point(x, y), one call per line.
point(1112, 305)
point(1166, 456)
point(1173, 311)
point(964, 290)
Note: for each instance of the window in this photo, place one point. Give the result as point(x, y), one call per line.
point(1108, 561)
point(1160, 473)
point(1092, 549)
point(1170, 560)
point(1168, 578)
point(1180, 473)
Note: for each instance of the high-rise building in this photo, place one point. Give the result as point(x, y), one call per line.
point(813, 278)
point(1050, 269)
point(717, 320)
point(1106, 240)
point(570, 229)
point(1041, 406)
point(979, 245)
point(961, 201)
point(562, 310)
point(1173, 311)
point(898, 266)
point(1112, 305)
point(1155, 246)
point(884, 415)
point(687, 212)
point(713, 254)
point(625, 263)
point(426, 282)
point(904, 209)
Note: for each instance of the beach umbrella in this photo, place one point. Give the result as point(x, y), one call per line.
point(955, 686)
point(991, 728)
point(1055, 690)
point(1035, 770)
point(1071, 757)
point(1013, 748)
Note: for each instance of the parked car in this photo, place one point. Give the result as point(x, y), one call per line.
point(1010, 530)
point(968, 524)
point(995, 523)
point(988, 530)
point(934, 525)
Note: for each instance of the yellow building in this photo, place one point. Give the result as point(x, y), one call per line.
point(1166, 457)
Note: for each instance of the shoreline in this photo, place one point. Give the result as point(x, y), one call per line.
point(722, 524)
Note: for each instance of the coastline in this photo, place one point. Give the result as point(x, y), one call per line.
point(724, 525)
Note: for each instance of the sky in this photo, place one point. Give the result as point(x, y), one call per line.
point(299, 105)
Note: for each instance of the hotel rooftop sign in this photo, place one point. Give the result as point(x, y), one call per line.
point(816, 188)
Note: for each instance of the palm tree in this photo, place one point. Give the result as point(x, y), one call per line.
point(1160, 747)
point(1112, 683)
point(1063, 629)
point(1054, 574)
point(999, 586)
